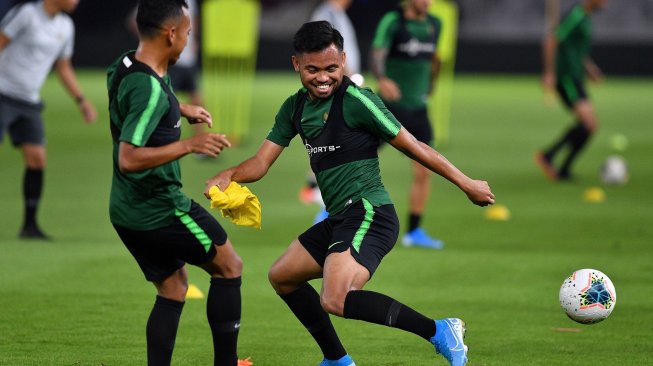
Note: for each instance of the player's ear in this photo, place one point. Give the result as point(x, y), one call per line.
point(344, 59)
point(295, 63)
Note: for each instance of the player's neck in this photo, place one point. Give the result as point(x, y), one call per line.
point(51, 8)
point(412, 14)
point(150, 55)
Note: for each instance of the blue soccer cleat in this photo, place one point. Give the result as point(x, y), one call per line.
point(448, 340)
point(344, 361)
point(419, 238)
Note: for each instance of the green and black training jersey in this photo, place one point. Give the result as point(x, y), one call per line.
point(144, 112)
point(354, 129)
point(411, 45)
point(574, 37)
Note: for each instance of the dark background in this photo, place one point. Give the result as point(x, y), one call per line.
point(494, 35)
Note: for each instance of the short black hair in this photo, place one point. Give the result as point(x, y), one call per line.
point(317, 36)
point(152, 14)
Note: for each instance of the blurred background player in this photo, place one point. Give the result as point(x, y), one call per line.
point(33, 38)
point(566, 65)
point(335, 12)
point(405, 63)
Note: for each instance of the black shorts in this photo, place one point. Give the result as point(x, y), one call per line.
point(189, 239)
point(415, 121)
point(369, 231)
point(183, 78)
point(23, 121)
point(571, 91)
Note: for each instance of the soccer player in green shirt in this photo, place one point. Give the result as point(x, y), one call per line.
point(566, 63)
point(341, 125)
point(405, 63)
point(161, 227)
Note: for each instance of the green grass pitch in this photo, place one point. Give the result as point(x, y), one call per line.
point(82, 300)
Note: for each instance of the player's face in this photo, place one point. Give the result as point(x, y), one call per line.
point(68, 5)
point(599, 4)
point(182, 31)
point(420, 6)
point(320, 72)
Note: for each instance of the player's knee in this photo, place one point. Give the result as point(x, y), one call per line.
point(333, 303)
point(233, 268)
point(276, 278)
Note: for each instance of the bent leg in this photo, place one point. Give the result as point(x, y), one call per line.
point(289, 277)
point(582, 132)
point(343, 295)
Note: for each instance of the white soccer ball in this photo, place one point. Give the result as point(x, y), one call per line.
point(614, 170)
point(588, 296)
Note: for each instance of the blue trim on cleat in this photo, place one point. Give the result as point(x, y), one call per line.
point(419, 238)
point(344, 361)
point(448, 340)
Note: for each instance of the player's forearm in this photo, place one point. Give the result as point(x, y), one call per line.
point(549, 47)
point(135, 159)
point(377, 62)
point(68, 79)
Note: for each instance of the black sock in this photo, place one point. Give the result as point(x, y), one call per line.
point(413, 221)
point(223, 309)
point(565, 139)
point(32, 188)
point(305, 304)
point(377, 308)
point(161, 330)
point(579, 139)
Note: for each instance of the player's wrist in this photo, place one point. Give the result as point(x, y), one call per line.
point(80, 99)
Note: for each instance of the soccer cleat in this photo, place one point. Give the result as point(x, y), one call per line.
point(33, 233)
point(448, 340)
point(344, 361)
point(419, 238)
point(245, 362)
point(545, 165)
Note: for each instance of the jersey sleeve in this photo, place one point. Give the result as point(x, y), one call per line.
point(385, 31)
point(143, 103)
point(364, 110)
point(69, 45)
point(283, 130)
point(15, 21)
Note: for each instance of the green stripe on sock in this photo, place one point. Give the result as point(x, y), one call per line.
point(365, 225)
point(192, 226)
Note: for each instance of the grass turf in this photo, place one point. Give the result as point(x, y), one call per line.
point(82, 300)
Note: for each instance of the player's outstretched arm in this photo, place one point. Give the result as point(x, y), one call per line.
point(196, 114)
point(477, 191)
point(249, 170)
point(133, 158)
point(67, 76)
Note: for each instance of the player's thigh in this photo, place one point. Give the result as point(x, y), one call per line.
point(294, 267)
point(226, 263)
point(367, 232)
point(584, 111)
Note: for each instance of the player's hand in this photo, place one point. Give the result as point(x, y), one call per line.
point(389, 90)
point(221, 180)
point(197, 114)
point(478, 191)
point(88, 111)
point(548, 84)
point(210, 144)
